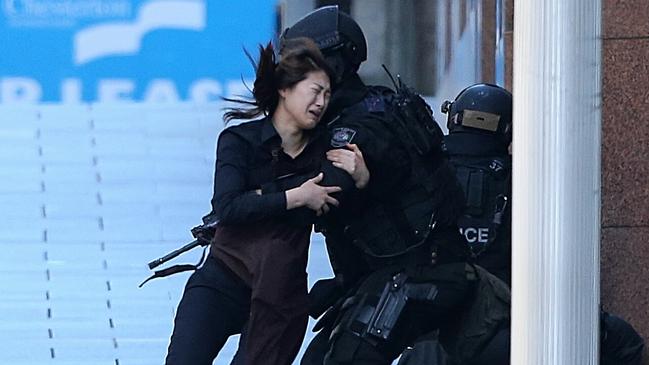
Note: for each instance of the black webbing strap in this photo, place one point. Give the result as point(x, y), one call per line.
point(475, 189)
point(175, 269)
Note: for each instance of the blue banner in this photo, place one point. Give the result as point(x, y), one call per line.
point(75, 51)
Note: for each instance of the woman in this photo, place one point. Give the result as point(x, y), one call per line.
point(256, 272)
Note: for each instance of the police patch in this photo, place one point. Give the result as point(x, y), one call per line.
point(341, 136)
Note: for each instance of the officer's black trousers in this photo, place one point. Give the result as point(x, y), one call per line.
point(346, 346)
point(365, 353)
point(495, 353)
point(621, 344)
point(215, 305)
point(318, 347)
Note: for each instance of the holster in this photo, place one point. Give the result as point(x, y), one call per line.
point(394, 297)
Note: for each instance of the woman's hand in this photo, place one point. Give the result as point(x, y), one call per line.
point(352, 162)
point(312, 196)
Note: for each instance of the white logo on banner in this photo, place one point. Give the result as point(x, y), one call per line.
point(124, 38)
point(61, 13)
point(104, 28)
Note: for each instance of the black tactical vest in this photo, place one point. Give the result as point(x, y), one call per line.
point(402, 224)
point(485, 176)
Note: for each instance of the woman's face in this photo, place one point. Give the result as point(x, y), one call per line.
point(306, 101)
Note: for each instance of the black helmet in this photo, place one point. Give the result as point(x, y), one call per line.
point(338, 36)
point(481, 108)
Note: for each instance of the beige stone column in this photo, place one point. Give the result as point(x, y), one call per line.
point(556, 182)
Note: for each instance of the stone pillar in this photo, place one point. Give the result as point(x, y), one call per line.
point(556, 182)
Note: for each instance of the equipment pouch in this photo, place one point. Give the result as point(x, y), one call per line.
point(489, 311)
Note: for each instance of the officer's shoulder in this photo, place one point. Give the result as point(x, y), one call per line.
point(380, 90)
point(377, 99)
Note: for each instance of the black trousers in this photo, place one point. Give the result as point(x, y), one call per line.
point(215, 305)
point(345, 346)
point(495, 353)
point(620, 345)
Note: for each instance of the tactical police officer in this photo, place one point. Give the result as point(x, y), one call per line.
point(383, 242)
point(479, 146)
point(480, 131)
point(479, 122)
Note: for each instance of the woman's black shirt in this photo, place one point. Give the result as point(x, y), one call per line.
point(253, 226)
point(250, 157)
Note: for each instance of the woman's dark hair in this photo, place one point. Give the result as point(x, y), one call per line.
point(297, 58)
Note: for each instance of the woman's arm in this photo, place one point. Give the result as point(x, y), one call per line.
point(234, 201)
point(345, 168)
point(312, 196)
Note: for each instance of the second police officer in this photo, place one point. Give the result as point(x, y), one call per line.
point(479, 146)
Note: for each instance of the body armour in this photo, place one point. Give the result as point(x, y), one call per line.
point(415, 209)
point(484, 169)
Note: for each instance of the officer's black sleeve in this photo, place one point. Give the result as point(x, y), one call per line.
point(233, 202)
point(385, 157)
point(332, 176)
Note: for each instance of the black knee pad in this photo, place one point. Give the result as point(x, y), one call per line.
point(621, 344)
point(343, 348)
